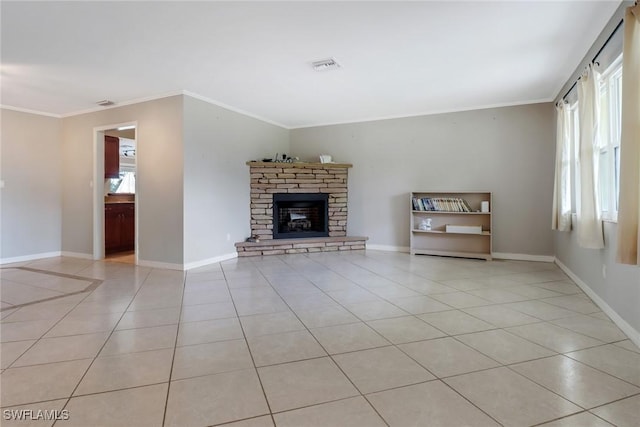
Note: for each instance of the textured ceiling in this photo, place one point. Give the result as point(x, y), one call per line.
point(398, 58)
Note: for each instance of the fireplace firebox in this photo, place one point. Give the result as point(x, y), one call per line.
point(300, 215)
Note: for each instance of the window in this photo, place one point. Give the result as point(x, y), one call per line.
point(609, 150)
point(125, 184)
point(609, 140)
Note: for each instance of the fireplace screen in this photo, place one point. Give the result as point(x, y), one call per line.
point(299, 215)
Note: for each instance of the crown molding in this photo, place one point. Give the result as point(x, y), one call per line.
point(28, 111)
point(234, 109)
point(266, 120)
point(426, 113)
point(123, 104)
point(147, 99)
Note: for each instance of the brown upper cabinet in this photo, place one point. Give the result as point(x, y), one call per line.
point(111, 157)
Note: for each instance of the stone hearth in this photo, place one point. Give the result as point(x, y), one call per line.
point(300, 246)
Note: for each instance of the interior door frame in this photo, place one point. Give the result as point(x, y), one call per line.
point(98, 189)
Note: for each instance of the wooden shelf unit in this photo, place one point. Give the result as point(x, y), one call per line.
point(439, 242)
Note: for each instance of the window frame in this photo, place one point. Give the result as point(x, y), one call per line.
point(575, 154)
point(609, 150)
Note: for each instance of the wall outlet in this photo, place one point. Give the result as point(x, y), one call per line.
point(2, 184)
point(228, 237)
point(604, 271)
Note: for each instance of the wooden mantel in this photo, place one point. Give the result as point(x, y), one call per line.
point(308, 165)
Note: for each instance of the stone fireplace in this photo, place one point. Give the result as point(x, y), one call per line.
point(298, 207)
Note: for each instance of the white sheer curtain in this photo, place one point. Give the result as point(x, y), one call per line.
point(589, 227)
point(629, 205)
point(561, 216)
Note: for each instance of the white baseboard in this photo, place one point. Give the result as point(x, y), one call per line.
point(156, 264)
point(619, 321)
point(77, 255)
point(523, 257)
point(31, 257)
point(209, 261)
point(388, 248)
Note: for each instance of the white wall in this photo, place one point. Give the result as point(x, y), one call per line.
point(159, 199)
point(508, 151)
point(217, 144)
point(192, 180)
point(30, 202)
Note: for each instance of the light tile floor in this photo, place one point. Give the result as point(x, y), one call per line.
point(327, 339)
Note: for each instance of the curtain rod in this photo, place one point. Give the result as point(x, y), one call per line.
point(615, 30)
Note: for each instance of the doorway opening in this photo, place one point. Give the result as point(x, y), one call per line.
point(115, 195)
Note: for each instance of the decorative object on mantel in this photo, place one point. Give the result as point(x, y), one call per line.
point(281, 158)
point(269, 163)
point(253, 239)
point(284, 158)
point(325, 158)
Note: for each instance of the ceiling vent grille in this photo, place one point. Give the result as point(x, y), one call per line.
point(325, 65)
point(105, 103)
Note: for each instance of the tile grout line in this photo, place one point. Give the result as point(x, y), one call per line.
point(408, 314)
point(100, 349)
point(541, 320)
point(436, 378)
point(416, 316)
point(175, 346)
point(36, 341)
point(89, 394)
point(614, 401)
point(501, 364)
point(547, 389)
point(510, 367)
point(598, 369)
point(95, 283)
point(56, 323)
point(537, 358)
point(328, 354)
point(428, 296)
point(561, 418)
point(441, 380)
point(395, 345)
point(497, 328)
point(299, 271)
point(470, 402)
point(246, 341)
point(580, 333)
point(445, 259)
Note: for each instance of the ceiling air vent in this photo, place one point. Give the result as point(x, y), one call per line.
point(105, 103)
point(325, 65)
